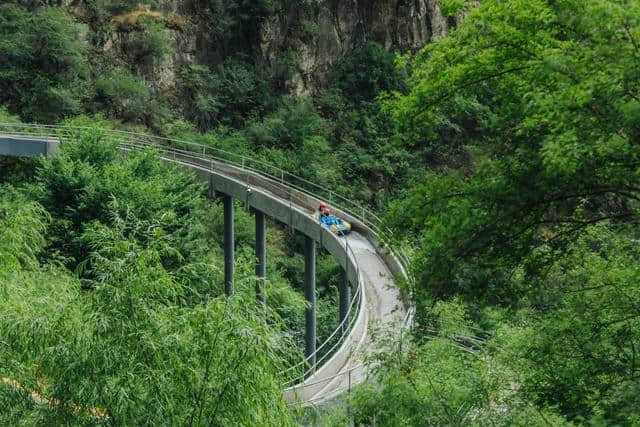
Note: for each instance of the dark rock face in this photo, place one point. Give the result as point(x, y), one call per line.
point(316, 33)
point(323, 33)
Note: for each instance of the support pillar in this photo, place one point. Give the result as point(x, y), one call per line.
point(345, 298)
point(310, 296)
point(228, 245)
point(261, 255)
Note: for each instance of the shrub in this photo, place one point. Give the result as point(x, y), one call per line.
point(149, 43)
point(43, 71)
point(367, 71)
point(122, 95)
point(236, 91)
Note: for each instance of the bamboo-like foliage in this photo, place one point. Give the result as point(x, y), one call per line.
point(21, 227)
point(139, 334)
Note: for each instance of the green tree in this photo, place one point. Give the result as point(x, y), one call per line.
point(43, 68)
point(532, 104)
point(142, 338)
point(148, 43)
point(23, 224)
point(367, 71)
point(526, 119)
point(130, 350)
point(577, 351)
point(235, 92)
point(235, 24)
point(372, 164)
point(122, 95)
point(443, 378)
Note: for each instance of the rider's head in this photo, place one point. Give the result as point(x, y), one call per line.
point(322, 206)
point(325, 211)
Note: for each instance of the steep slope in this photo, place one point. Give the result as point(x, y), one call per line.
point(305, 37)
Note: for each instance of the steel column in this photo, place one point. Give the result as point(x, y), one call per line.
point(310, 295)
point(345, 299)
point(261, 255)
point(228, 245)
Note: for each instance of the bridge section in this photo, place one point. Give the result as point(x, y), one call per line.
point(369, 266)
point(28, 146)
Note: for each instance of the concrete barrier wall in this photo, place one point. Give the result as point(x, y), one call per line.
point(26, 146)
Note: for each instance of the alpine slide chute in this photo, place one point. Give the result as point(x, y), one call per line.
point(368, 297)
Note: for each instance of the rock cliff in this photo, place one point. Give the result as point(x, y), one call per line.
point(316, 35)
point(324, 33)
point(313, 33)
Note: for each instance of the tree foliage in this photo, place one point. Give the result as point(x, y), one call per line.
point(43, 68)
point(236, 23)
point(236, 91)
point(367, 71)
point(524, 121)
point(139, 334)
point(536, 103)
point(443, 380)
point(148, 43)
point(578, 353)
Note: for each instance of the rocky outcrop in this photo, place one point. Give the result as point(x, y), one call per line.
point(159, 75)
point(316, 33)
point(322, 33)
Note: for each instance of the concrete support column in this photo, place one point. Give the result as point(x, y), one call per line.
point(228, 245)
point(261, 255)
point(345, 299)
point(310, 295)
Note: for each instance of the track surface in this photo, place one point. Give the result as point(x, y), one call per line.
point(383, 308)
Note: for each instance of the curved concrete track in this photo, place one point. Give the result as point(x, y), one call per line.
point(382, 308)
point(365, 260)
point(381, 304)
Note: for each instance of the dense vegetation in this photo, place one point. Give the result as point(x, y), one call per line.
point(525, 221)
point(106, 261)
point(504, 155)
